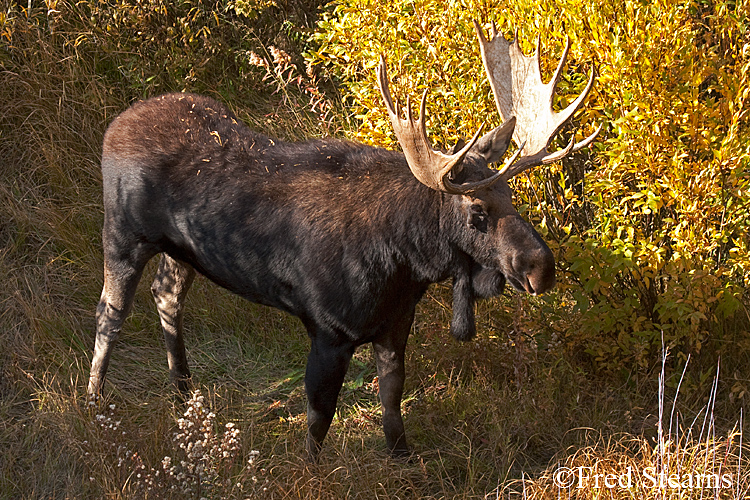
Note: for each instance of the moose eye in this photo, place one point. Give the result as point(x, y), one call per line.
point(477, 218)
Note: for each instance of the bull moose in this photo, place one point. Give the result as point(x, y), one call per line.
point(346, 237)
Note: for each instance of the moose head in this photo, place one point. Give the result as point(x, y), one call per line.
point(502, 246)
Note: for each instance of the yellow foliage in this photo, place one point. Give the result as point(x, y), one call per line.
point(650, 227)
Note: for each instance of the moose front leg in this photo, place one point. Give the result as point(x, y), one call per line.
point(326, 367)
point(389, 356)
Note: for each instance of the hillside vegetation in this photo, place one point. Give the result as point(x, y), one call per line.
point(638, 359)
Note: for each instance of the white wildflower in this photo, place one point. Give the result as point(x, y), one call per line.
point(280, 57)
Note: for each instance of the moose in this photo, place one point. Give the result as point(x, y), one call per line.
point(344, 236)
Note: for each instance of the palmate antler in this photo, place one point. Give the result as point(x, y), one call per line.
point(431, 167)
point(519, 92)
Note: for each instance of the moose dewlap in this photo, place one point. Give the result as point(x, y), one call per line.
point(347, 237)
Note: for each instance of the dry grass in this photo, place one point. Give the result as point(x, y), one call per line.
point(479, 415)
point(683, 461)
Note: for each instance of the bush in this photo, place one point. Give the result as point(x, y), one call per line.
point(650, 225)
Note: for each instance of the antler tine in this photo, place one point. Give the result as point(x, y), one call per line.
point(429, 166)
point(560, 154)
point(538, 63)
point(385, 91)
point(480, 32)
point(518, 89)
point(588, 140)
point(506, 170)
point(571, 147)
point(558, 72)
point(565, 114)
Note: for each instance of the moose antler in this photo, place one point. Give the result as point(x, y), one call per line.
point(431, 167)
point(517, 85)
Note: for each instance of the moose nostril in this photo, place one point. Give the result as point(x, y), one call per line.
point(538, 270)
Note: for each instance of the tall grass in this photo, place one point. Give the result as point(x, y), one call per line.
point(686, 460)
point(479, 415)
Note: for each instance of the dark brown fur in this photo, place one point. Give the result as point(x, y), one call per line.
point(337, 233)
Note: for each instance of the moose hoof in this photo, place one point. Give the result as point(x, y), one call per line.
point(92, 400)
point(404, 454)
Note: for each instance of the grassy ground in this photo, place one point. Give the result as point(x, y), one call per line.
point(482, 417)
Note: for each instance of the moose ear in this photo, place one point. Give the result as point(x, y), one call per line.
point(458, 147)
point(493, 144)
point(463, 326)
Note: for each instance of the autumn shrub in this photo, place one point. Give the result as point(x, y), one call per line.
point(650, 224)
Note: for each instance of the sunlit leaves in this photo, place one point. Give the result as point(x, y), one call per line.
point(651, 230)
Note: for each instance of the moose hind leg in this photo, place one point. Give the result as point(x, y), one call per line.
point(170, 287)
point(121, 276)
point(389, 356)
point(326, 368)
